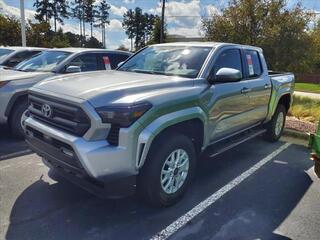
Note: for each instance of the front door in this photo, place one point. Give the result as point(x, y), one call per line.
point(230, 103)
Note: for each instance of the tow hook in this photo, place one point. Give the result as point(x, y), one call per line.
point(314, 145)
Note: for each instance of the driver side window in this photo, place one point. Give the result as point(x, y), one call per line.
point(230, 58)
point(87, 62)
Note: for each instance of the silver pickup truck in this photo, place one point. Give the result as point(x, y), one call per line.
point(146, 124)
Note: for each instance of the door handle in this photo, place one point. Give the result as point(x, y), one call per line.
point(246, 90)
point(267, 86)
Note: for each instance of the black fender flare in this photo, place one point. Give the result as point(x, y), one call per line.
point(13, 100)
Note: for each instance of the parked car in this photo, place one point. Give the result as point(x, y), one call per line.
point(148, 122)
point(12, 56)
point(15, 82)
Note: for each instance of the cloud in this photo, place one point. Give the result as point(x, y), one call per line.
point(11, 11)
point(194, 31)
point(119, 11)
point(211, 10)
point(181, 13)
point(129, 1)
point(115, 25)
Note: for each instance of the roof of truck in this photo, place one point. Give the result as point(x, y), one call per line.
point(19, 48)
point(76, 50)
point(206, 44)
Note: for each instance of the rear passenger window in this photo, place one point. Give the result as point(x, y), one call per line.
point(87, 62)
point(253, 63)
point(114, 59)
point(229, 59)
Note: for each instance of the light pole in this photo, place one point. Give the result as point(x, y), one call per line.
point(162, 21)
point(23, 24)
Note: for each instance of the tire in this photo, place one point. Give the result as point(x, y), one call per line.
point(149, 180)
point(15, 119)
point(276, 125)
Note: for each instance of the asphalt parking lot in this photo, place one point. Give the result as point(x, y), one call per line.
point(254, 191)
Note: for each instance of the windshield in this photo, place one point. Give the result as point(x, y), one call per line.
point(44, 62)
point(4, 52)
point(183, 61)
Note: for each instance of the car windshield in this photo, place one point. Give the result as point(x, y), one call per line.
point(4, 52)
point(44, 62)
point(182, 61)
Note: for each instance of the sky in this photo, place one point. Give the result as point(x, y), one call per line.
point(183, 17)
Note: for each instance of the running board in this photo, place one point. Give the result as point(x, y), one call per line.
point(228, 144)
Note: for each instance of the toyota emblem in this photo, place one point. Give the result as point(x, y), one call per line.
point(46, 110)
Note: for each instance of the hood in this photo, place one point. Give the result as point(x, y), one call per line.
point(107, 87)
point(10, 75)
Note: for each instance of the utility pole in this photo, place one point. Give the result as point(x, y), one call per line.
point(162, 21)
point(23, 24)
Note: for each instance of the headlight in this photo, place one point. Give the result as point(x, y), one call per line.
point(124, 115)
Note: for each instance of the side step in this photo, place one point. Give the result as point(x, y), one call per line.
point(232, 142)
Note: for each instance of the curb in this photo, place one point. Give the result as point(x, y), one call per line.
point(296, 134)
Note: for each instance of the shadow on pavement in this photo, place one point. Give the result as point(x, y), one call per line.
point(11, 147)
point(251, 211)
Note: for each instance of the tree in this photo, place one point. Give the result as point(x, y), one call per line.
point(138, 26)
point(78, 13)
point(156, 31)
point(122, 47)
point(59, 11)
point(103, 19)
point(90, 13)
point(9, 31)
point(43, 10)
point(281, 32)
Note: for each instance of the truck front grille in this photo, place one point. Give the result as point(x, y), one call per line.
point(60, 115)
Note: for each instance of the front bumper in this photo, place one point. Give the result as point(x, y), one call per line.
point(81, 161)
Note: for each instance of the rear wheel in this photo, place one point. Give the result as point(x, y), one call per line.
point(16, 117)
point(168, 170)
point(276, 125)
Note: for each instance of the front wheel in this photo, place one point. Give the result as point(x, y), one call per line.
point(276, 125)
point(168, 170)
point(16, 119)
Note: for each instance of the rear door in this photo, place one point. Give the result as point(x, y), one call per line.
point(229, 103)
point(259, 85)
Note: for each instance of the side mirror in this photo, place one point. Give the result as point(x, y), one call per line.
point(227, 75)
point(73, 69)
point(120, 63)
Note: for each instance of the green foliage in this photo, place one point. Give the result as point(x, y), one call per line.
point(122, 48)
point(40, 35)
point(9, 31)
point(306, 109)
point(156, 31)
point(139, 26)
point(102, 18)
point(307, 87)
point(281, 32)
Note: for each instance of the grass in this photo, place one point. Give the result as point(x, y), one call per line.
point(307, 87)
point(306, 109)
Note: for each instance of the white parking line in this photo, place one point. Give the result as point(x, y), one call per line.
point(15, 154)
point(183, 220)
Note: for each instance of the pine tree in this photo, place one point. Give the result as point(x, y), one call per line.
point(103, 19)
point(59, 11)
point(43, 10)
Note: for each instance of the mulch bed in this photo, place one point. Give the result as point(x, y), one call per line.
point(299, 125)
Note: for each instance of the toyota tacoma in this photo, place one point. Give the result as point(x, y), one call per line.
point(145, 125)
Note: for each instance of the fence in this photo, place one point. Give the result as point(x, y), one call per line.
point(308, 78)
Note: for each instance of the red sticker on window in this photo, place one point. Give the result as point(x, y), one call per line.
point(106, 62)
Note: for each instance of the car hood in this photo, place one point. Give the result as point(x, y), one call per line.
point(108, 87)
point(11, 75)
